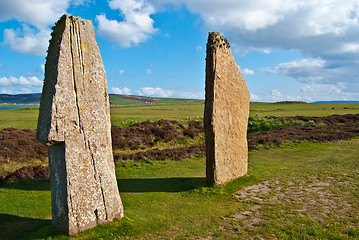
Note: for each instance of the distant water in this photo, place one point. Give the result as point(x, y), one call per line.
point(16, 107)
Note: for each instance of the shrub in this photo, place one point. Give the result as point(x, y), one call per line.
point(261, 124)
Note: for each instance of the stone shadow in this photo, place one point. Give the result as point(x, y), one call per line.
point(160, 184)
point(15, 227)
point(28, 185)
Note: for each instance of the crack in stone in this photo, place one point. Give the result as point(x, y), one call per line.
point(72, 210)
point(103, 198)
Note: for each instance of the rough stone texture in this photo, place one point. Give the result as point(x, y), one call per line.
point(226, 114)
point(74, 122)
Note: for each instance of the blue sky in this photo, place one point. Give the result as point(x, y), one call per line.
point(303, 50)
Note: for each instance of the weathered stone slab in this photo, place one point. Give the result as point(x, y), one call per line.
point(226, 114)
point(74, 122)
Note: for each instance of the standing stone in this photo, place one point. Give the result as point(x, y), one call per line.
point(74, 122)
point(226, 114)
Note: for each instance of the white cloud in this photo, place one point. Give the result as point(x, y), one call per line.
point(28, 40)
point(275, 96)
point(198, 48)
point(36, 18)
point(328, 92)
point(315, 71)
point(29, 81)
point(159, 92)
point(255, 97)
point(37, 13)
point(315, 92)
point(190, 94)
point(14, 85)
point(288, 24)
point(239, 14)
point(123, 91)
point(325, 30)
point(149, 71)
point(247, 71)
point(121, 72)
point(81, 2)
point(136, 27)
point(276, 93)
point(178, 93)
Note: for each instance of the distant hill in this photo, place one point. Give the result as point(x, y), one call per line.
point(33, 98)
point(115, 100)
point(132, 100)
point(337, 102)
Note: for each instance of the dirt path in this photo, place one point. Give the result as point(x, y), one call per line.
point(315, 199)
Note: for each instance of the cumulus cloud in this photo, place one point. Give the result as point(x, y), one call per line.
point(247, 72)
point(158, 92)
point(37, 13)
point(179, 93)
point(255, 97)
point(315, 71)
point(276, 93)
point(275, 96)
point(36, 18)
point(247, 15)
point(324, 32)
point(288, 24)
point(29, 81)
point(27, 40)
point(315, 92)
point(186, 93)
point(136, 27)
point(338, 91)
point(123, 91)
point(14, 85)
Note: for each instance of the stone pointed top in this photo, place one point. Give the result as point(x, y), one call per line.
point(216, 40)
point(73, 53)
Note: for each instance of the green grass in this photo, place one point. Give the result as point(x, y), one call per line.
point(125, 116)
point(20, 118)
point(301, 109)
point(124, 101)
point(170, 199)
point(297, 191)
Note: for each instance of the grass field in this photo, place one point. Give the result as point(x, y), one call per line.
point(296, 191)
point(124, 116)
point(302, 192)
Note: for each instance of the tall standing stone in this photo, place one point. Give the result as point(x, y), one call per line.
point(226, 114)
point(74, 122)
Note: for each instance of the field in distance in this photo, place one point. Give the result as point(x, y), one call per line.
point(126, 115)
